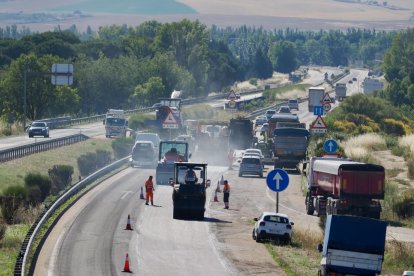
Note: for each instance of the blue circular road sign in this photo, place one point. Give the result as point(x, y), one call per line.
point(330, 146)
point(277, 180)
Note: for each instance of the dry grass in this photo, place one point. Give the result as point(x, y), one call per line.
point(360, 147)
point(407, 142)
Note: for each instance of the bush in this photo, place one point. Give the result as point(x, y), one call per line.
point(122, 147)
point(87, 163)
point(253, 81)
point(38, 187)
point(410, 165)
point(3, 229)
point(138, 121)
point(395, 127)
point(103, 158)
point(345, 126)
point(61, 177)
point(404, 208)
point(12, 198)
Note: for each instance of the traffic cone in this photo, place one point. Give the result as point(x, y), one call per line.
point(141, 196)
point(128, 226)
point(126, 265)
point(215, 197)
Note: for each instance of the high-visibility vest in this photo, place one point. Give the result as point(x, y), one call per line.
point(149, 186)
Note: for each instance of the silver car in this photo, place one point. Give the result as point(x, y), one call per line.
point(251, 164)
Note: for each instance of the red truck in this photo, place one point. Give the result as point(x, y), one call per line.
point(342, 186)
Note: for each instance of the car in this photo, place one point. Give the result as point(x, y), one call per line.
point(254, 152)
point(293, 104)
point(38, 129)
point(153, 137)
point(260, 120)
point(354, 79)
point(251, 164)
point(273, 226)
point(238, 95)
point(269, 113)
point(264, 128)
point(350, 81)
point(284, 109)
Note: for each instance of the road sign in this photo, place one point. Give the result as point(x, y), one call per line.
point(231, 95)
point(62, 74)
point(318, 110)
point(326, 98)
point(277, 180)
point(170, 121)
point(330, 146)
point(318, 123)
point(326, 107)
point(232, 104)
point(318, 130)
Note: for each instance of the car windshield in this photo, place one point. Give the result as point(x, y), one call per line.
point(115, 121)
point(250, 161)
point(38, 124)
point(293, 101)
point(276, 219)
point(148, 137)
point(180, 148)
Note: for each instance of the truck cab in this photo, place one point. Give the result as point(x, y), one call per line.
point(116, 123)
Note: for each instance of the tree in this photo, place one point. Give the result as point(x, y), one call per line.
point(148, 93)
point(262, 65)
point(283, 56)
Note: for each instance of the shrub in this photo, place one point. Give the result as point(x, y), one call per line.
point(395, 127)
point(38, 187)
point(3, 229)
point(345, 126)
point(138, 121)
point(410, 165)
point(253, 81)
point(87, 163)
point(12, 198)
point(103, 158)
point(122, 147)
point(405, 206)
point(61, 177)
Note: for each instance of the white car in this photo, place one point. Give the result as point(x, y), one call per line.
point(272, 226)
point(254, 152)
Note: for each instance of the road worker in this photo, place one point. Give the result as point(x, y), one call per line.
point(172, 155)
point(149, 189)
point(190, 176)
point(226, 194)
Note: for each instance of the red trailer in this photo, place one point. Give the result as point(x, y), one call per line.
point(342, 186)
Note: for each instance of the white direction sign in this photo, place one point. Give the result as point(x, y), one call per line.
point(62, 74)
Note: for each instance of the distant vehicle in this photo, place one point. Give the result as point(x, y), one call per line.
point(260, 120)
point(153, 137)
point(293, 104)
point(269, 113)
point(264, 128)
point(251, 165)
point(354, 79)
point(38, 129)
point(340, 91)
point(352, 245)
point(143, 154)
point(238, 95)
point(254, 152)
point(241, 134)
point(176, 94)
point(284, 109)
point(272, 226)
point(350, 81)
point(315, 97)
point(116, 123)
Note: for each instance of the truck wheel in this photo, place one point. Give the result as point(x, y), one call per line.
point(253, 235)
point(309, 208)
point(261, 175)
point(240, 174)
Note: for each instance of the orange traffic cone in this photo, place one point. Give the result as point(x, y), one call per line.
point(128, 226)
point(141, 196)
point(215, 197)
point(126, 265)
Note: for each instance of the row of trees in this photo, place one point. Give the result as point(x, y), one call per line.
point(128, 67)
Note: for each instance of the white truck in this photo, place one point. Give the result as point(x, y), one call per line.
point(315, 97)
point(116, 123)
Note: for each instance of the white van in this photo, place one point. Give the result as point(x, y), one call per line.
point(143, 154)
point(153, 137)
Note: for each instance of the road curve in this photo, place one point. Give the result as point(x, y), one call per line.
point(90, 238)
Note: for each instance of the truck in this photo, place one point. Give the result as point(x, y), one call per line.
point(170, 152)
point(189, 190)
point(315, 97)
point(280, 118)
point(116, 123)
point(290, 143)
point(342, 186)
point(241, 133)
point(352, 246)
point(340, 91)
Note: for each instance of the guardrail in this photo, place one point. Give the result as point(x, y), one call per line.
point(21, 262)
point(21, 151)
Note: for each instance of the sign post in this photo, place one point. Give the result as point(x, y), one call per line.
point(277, 181)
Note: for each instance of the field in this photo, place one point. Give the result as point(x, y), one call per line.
point(303, 14)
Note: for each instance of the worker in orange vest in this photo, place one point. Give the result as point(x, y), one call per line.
point(226, 194)
point(149, 189)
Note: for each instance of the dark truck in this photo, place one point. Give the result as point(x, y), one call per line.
point(342, 186)
point(241, 134)
point(352, 246)
point(189, 193)
point(290, 143)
